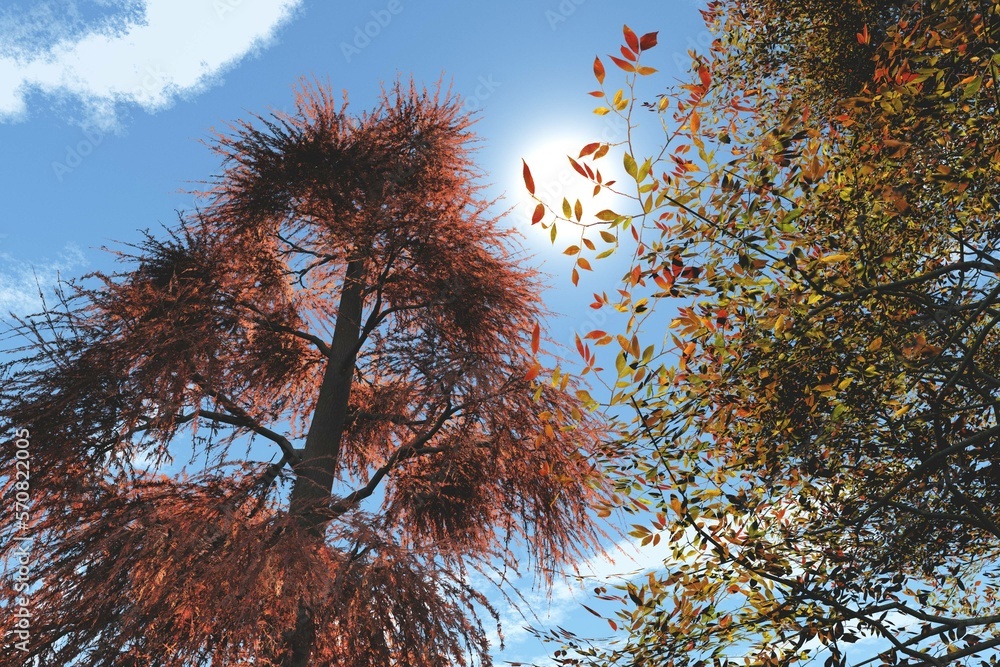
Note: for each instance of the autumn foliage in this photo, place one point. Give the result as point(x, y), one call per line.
point(808, 369)
point(340, 344)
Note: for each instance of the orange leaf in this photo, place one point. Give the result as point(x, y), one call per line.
point(695, 122)
point(599, 70)
point(596, 333)
point(623, 64)
point(631, 39)
point(663, 282)
point(628, 55)
point(584, 264)
point(536, 338)
point(705, 76)
point(589, 148)
point(529, 182)
point(864, 37)
point(533, 372)
point(539, 213)
point(647, 41)
point(691, 272)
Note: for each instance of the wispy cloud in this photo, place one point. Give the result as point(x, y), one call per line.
point(22, 283)
point(623, 561)
point(106, 55)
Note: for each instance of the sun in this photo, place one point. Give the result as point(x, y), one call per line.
point(555, 180)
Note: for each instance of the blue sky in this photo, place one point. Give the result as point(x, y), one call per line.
point(105, 105)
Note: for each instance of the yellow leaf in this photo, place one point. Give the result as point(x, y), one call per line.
point(830, 259)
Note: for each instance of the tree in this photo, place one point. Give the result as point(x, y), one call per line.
point(345, 288)
point(814, 425)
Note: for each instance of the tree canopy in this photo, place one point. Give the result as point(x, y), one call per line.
point(807, 377)
point(345, 304)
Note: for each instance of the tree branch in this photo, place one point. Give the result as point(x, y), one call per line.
point(412, 448)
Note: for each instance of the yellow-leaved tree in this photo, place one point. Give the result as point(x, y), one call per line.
point(808, 376)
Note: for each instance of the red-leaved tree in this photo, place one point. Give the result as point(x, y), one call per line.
point(345, 299)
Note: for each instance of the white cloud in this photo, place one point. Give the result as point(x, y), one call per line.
point(150, 56)
point(21, 281)
point(623, 561)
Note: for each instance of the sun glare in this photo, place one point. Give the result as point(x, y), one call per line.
point(555, 179)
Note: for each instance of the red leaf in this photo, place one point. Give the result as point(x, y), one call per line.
point(647, 41)
point(599, 70)
point(625, 65)
point(536, 338)
point(589, 148)
point(539, 213)
point(631, 39)
point(628, 54)
point(579, 169)
point(705, 76)
point(596, 333)
point(529, 182)
point(533, 372)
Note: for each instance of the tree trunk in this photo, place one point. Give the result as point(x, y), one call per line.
point(316, 472)
point(301, 640)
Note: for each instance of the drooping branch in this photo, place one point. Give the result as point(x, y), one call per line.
point(240, 417)
point(414, 447)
